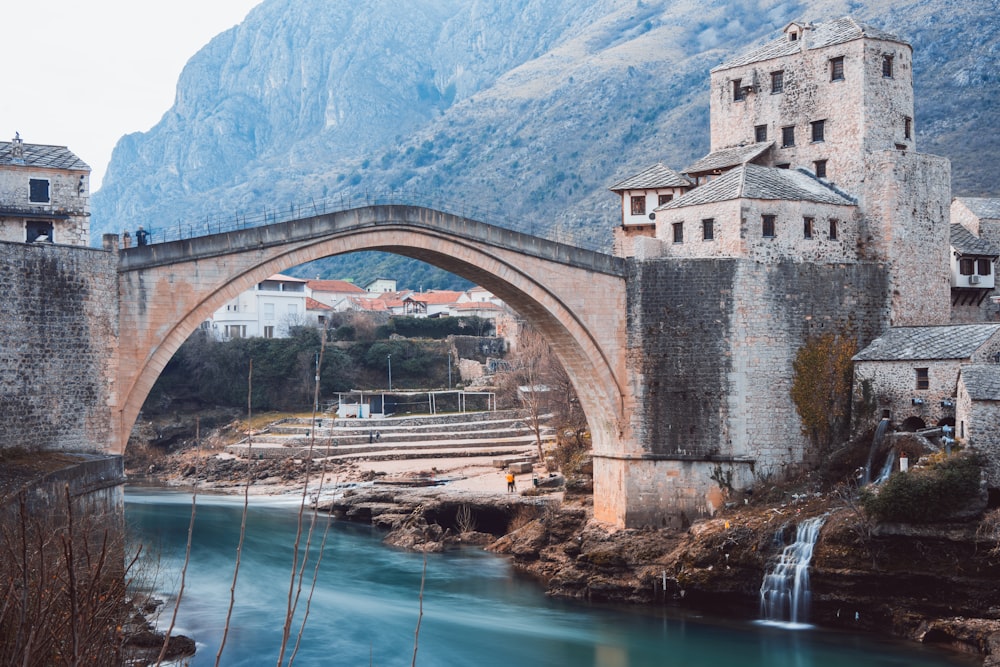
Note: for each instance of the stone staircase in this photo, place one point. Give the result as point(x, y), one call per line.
point(503, 434)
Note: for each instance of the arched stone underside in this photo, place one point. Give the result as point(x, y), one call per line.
point(575, 298)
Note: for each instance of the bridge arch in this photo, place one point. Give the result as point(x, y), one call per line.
point(575, 298)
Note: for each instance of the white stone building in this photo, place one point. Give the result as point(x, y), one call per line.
point(44, 194)
point(269, 310)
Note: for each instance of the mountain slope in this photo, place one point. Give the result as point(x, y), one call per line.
point(522, 112)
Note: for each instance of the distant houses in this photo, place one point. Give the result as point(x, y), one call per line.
point(276, 305)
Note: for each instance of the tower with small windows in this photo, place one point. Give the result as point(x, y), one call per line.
point(812, 216)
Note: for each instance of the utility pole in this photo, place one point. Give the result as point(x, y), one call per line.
point(449, 369)
point(388, 359)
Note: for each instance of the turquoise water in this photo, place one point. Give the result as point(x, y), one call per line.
point(476, 611)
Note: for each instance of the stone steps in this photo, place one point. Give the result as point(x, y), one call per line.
point(437, 436)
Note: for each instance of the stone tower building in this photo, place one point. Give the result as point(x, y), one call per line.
point(812, 214)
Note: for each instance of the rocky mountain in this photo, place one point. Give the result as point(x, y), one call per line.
point(520, 112)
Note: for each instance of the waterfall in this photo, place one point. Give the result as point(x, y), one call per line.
point(784, 593)
point(880, 430)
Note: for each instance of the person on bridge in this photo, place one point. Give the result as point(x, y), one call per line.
point(141, 236)
point(126, 239)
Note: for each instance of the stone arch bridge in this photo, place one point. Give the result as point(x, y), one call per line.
point(575, 298)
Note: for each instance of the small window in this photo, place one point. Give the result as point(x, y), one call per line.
point(807, 227)
point(38, 190)
point(984, 267)
point(837, 68)
point(887, 66)
point(664, 199)
point(923, 378)
point(678, 228)
point(788, 136)
point(777, 82)
point(269, 332)
point(760, 133)
point(908, 128)
point(833, 230)
point(784, 165)
point(639, 205)
point(820, 168)
point(739, 92)
point(818, 128)
point(708, 229)
point(38, 231)
point(767, 226)
point(966, 266)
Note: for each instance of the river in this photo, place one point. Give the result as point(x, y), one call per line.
point(476, 610)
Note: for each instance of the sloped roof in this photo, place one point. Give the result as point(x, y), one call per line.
point(821, 35)
point(286, 279)
point(435, 297)
point(752, 181)
point(728, 158)
point(363, 303)
point(339, 286)
point(657, 176)
point(40, 155)
point(313, 304)
point(957, 341)
point(982, 381)
point(982, 207)
point(967, 243)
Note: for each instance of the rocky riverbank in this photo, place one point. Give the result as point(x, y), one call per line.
point(934, 583)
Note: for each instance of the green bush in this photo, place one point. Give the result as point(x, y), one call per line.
point(926, 494)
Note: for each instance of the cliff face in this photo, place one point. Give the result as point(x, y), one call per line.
point(531, 108)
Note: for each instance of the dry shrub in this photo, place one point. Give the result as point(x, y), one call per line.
point(465, 519)
point(66, 586)
point(523, 515)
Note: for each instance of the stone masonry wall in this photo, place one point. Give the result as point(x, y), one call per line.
point(58, 341)
point(710, 351)
point(893, 386)
point(907, 200)
point(66, 197)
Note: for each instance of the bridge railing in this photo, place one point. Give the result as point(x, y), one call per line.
point(344, 202)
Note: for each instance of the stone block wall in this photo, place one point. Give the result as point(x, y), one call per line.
point(68, 200)
point(58, 347)
point(863, 112)
point(711, 344)
point(975, 426)
point(907, 200)
point(738, 231)
point(893, 386)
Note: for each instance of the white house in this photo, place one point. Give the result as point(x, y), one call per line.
point(269, 310)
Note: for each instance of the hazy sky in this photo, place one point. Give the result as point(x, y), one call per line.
point(83, 73)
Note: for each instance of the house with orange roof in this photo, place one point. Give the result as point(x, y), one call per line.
point(334, 293)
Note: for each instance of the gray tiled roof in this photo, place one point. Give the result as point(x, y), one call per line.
point(40, 155)
point(822, 35)
point(957, 341)
point(982, 381)
point(728, 158)
point(752, 181)
point(657, 176)
point(982, 207)
point(967, 243)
